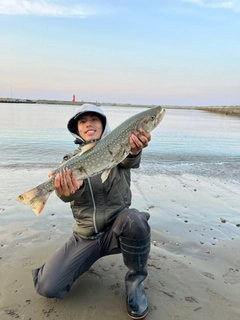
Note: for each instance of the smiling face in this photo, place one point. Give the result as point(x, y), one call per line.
point(89, 126)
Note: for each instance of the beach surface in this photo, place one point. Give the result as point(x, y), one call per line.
point(194, 264)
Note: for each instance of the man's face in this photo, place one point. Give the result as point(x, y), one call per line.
point(89, 127)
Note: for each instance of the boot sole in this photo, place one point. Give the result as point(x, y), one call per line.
point(138, 318)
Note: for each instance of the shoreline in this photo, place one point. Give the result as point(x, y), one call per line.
point(228, 110)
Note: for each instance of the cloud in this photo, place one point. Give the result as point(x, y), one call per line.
point(43, 8)
point(233, 5)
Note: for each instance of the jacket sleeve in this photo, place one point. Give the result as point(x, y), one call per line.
point(132, 161)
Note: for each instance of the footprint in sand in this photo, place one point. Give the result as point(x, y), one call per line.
point(208, 275)
point(232, 276)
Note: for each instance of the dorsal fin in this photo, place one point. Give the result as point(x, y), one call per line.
point(88, 147)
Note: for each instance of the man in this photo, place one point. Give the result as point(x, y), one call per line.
point(104, 223)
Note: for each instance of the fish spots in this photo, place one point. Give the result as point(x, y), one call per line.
point(81, 169)
point(110, 151)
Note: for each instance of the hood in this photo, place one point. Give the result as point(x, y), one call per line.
point(85, 108)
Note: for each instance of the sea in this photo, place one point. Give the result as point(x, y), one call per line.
point(36, 135)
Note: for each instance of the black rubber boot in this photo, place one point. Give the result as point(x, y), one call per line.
point(135, 256)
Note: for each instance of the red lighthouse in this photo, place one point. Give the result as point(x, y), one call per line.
point(73, 98)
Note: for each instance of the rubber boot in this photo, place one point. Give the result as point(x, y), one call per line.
point(135, 256)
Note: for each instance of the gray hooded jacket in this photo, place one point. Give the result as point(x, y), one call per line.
point(96, 205)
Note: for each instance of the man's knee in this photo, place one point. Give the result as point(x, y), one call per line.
point(133, 216)
point(46, 288)
point(136, 224)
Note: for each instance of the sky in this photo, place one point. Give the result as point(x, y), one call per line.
point(160, 52)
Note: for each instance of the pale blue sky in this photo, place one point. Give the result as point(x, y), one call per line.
point(167, 52)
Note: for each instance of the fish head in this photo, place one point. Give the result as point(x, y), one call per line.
point(152, 118)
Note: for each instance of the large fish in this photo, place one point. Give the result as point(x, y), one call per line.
point(95, 158)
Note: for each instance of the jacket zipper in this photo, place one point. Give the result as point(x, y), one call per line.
point(94, 207)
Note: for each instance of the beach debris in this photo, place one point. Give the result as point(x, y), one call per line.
point(155, 243)
point(150, 207)
point(95, 158)
point(199, 308)
point(238, 225)
point(223, 220)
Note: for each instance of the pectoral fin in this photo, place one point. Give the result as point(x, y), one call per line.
point(105, 175)
point(88, 147)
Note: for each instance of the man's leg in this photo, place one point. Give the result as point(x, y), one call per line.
point(55, 278)
point(130, 233)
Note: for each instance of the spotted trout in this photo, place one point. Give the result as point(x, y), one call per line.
point(98, 157)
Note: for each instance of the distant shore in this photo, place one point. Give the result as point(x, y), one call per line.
point(231, 110)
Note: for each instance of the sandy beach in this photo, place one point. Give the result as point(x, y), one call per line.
point(193, 265)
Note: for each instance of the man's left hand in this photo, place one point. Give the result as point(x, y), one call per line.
point(138, 140)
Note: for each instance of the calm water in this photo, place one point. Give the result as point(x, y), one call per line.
point(186, 141)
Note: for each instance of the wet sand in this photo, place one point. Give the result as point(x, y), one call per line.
point(194, 264)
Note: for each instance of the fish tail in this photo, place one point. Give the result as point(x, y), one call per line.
point(35, 199)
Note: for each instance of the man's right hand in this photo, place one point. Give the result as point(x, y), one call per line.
point(66, 183)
